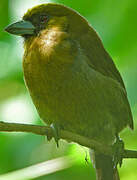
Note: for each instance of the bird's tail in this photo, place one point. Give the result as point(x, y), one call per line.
point(104, 166)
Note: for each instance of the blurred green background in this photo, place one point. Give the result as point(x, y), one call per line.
point(116, 23)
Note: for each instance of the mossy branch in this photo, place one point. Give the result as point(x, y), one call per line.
point(47, 131)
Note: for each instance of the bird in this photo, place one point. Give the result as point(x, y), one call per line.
point(71, 78)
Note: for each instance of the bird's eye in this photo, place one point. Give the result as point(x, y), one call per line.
point(43, 18)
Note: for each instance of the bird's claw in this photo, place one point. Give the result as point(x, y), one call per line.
point(55, 129)
point(118, 148)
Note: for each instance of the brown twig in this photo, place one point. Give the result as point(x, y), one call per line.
point(47, 131)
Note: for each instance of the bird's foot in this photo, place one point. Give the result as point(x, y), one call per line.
point(55, 129)
point(118, 148)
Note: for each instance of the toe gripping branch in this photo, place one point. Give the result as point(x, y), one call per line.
point(55, 131)
point(118, 148)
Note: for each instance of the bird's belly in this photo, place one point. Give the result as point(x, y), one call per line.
point(73, 103)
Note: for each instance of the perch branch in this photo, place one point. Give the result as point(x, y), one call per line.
point(47, 131)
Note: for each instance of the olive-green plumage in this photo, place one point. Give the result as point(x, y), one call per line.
point(71, 78)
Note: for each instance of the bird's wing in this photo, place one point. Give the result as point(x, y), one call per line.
point(99, 60)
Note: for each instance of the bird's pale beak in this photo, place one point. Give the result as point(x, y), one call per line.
point(21, 28)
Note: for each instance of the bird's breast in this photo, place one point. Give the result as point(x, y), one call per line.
point(47, 65)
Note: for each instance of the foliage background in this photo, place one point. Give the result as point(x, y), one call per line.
point(115, 21)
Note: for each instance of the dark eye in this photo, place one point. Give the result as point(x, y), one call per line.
point(43, 18)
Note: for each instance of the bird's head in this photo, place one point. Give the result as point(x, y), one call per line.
point(45, 26)
point(45, 16)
